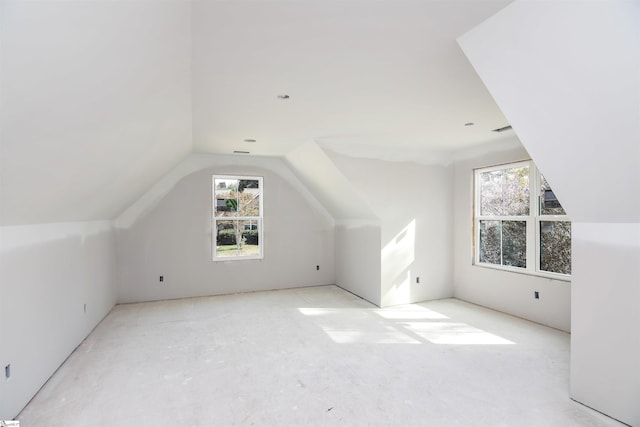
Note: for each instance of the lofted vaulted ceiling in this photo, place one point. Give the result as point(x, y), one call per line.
point(101, 98)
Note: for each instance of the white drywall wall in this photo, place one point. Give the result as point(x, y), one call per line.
point(318, 172)
point(47, 274)
point(505, 291)
point(357, 232)
point(357, 258)
point(413, 204)
point(172, 237)
point(566, 76)
point(605, 337)
point(96, 104)
point(195, 162)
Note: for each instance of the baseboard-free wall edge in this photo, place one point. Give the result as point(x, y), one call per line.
point(600, 412)
point(207, 295)
point(356, 295)
point(511, 314)
point(17, 416)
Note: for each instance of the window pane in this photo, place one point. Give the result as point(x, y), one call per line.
point(237, 238)
point(248, 198)
point(250, 237)
point(504, 243)
point(555, 246)
point(505, 192)
point(549, 204)
point(490, 242)
point(514, 243)
point(226, 197)
point(226, 238)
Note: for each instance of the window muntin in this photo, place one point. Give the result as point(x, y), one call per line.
point(518, 227)
point(237, 217)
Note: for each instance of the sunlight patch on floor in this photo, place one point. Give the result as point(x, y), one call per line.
point(408, 324)
point(454, 333)
point(370, 337)
point(409, 312)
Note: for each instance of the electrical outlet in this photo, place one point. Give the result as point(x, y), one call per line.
point(417, 279)
point(162, 278)
point(536, 295)
point(7, 371)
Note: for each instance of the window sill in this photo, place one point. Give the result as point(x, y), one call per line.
point(541, 274)
point(238, 258)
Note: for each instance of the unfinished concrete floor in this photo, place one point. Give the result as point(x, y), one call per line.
point(312, 356)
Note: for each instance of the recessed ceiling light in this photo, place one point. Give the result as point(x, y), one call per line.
point(249, 140)
point(284, 96)
point(469, 124)
point(240, 152)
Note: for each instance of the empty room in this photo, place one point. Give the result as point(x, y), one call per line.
point(312, 212)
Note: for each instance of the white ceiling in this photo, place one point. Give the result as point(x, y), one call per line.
point(360, 75)
point(101, 98)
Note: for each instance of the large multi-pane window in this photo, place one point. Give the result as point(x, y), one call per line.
point(237, 217)
point(519, 223)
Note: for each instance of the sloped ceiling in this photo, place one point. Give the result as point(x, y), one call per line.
point(99, 99)
point(318, 172)
point(96, 105)
point(578, 66)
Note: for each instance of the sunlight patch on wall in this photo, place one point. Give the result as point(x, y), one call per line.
point(397, 257)
point(399, 253)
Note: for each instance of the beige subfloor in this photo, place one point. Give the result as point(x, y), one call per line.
point(313, 356)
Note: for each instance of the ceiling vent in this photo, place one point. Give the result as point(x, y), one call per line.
point(502, 129)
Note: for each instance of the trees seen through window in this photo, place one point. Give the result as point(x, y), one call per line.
point(519, 222)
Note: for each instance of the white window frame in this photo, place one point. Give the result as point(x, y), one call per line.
point(532, 220)
point(258, 219)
